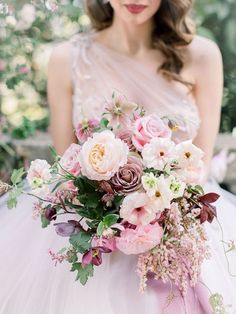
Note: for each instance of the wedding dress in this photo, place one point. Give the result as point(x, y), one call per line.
point(29, 282)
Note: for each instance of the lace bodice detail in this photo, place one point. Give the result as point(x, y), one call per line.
point(98, 71)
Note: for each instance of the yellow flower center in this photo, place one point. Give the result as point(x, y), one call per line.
point(157, 194)
point(96, 156)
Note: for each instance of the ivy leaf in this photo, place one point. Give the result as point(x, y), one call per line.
point(17, 175)
point(83, 273)
point(80, 241)
point(110, 219)
point(100, 228)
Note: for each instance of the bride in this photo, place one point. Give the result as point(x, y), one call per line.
point(146, 50)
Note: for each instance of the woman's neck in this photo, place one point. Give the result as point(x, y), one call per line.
point(129, 39)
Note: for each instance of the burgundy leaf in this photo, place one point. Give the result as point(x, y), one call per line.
point(209, 198)
point(208, 213)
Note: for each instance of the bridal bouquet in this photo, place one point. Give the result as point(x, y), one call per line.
point(125, 186)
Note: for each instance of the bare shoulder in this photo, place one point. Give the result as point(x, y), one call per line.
point(60, 54)
point(203, 51)
point(60, 62)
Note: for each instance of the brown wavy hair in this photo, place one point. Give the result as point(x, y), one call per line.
point(173, 31)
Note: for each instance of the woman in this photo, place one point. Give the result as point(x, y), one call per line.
point(146, 50)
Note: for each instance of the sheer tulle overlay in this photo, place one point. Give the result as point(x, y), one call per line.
point(29, 281)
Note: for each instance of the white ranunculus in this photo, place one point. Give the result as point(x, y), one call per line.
point(102, 155)
point(160, 152)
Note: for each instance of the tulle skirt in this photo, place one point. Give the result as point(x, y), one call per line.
point(31, 284)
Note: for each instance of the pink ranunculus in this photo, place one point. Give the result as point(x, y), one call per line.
point(148, 127)
point(138, 209)
point(139, 240)
point(85, 129)
point(102, 155)
point(70, 159)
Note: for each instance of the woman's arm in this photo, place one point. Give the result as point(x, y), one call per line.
point(208, 73)
point(59, 90)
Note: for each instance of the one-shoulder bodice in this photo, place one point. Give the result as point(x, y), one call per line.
point(98, 71)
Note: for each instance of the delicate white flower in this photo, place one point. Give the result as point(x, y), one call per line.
point(163, 194)
point(39, 174)
point(176, 186)
point(160, 152)
point(188, 154)
point(27, 16)
point(149, 182)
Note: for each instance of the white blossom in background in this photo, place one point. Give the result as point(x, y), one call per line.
point(4, 8)
point(51, 5)
point(219, 165)
point(27, 16)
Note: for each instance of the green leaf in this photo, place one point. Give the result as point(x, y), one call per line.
point(53, 152)
point(110, 219)
point(104, 123)
point(100, 228)
point(12, 200)
point(93, 199)
point(83, 273)
point(86, 213)
point(81, 241)
point(118, 199)
point(62, 251)
point(45, 222)
point(17, 175)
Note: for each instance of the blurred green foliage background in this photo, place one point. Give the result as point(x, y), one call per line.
point(28, 30)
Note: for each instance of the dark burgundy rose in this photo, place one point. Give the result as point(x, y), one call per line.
point(208, 211)
point(128, 178)
point(50, 213)
point(66, 229)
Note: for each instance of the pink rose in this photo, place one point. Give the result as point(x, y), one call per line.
point(102, 155)
point(138, 209)
point(70, 159)
point(139, 240)
point(148, 127)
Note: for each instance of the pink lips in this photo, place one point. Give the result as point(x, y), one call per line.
point(135, 8)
